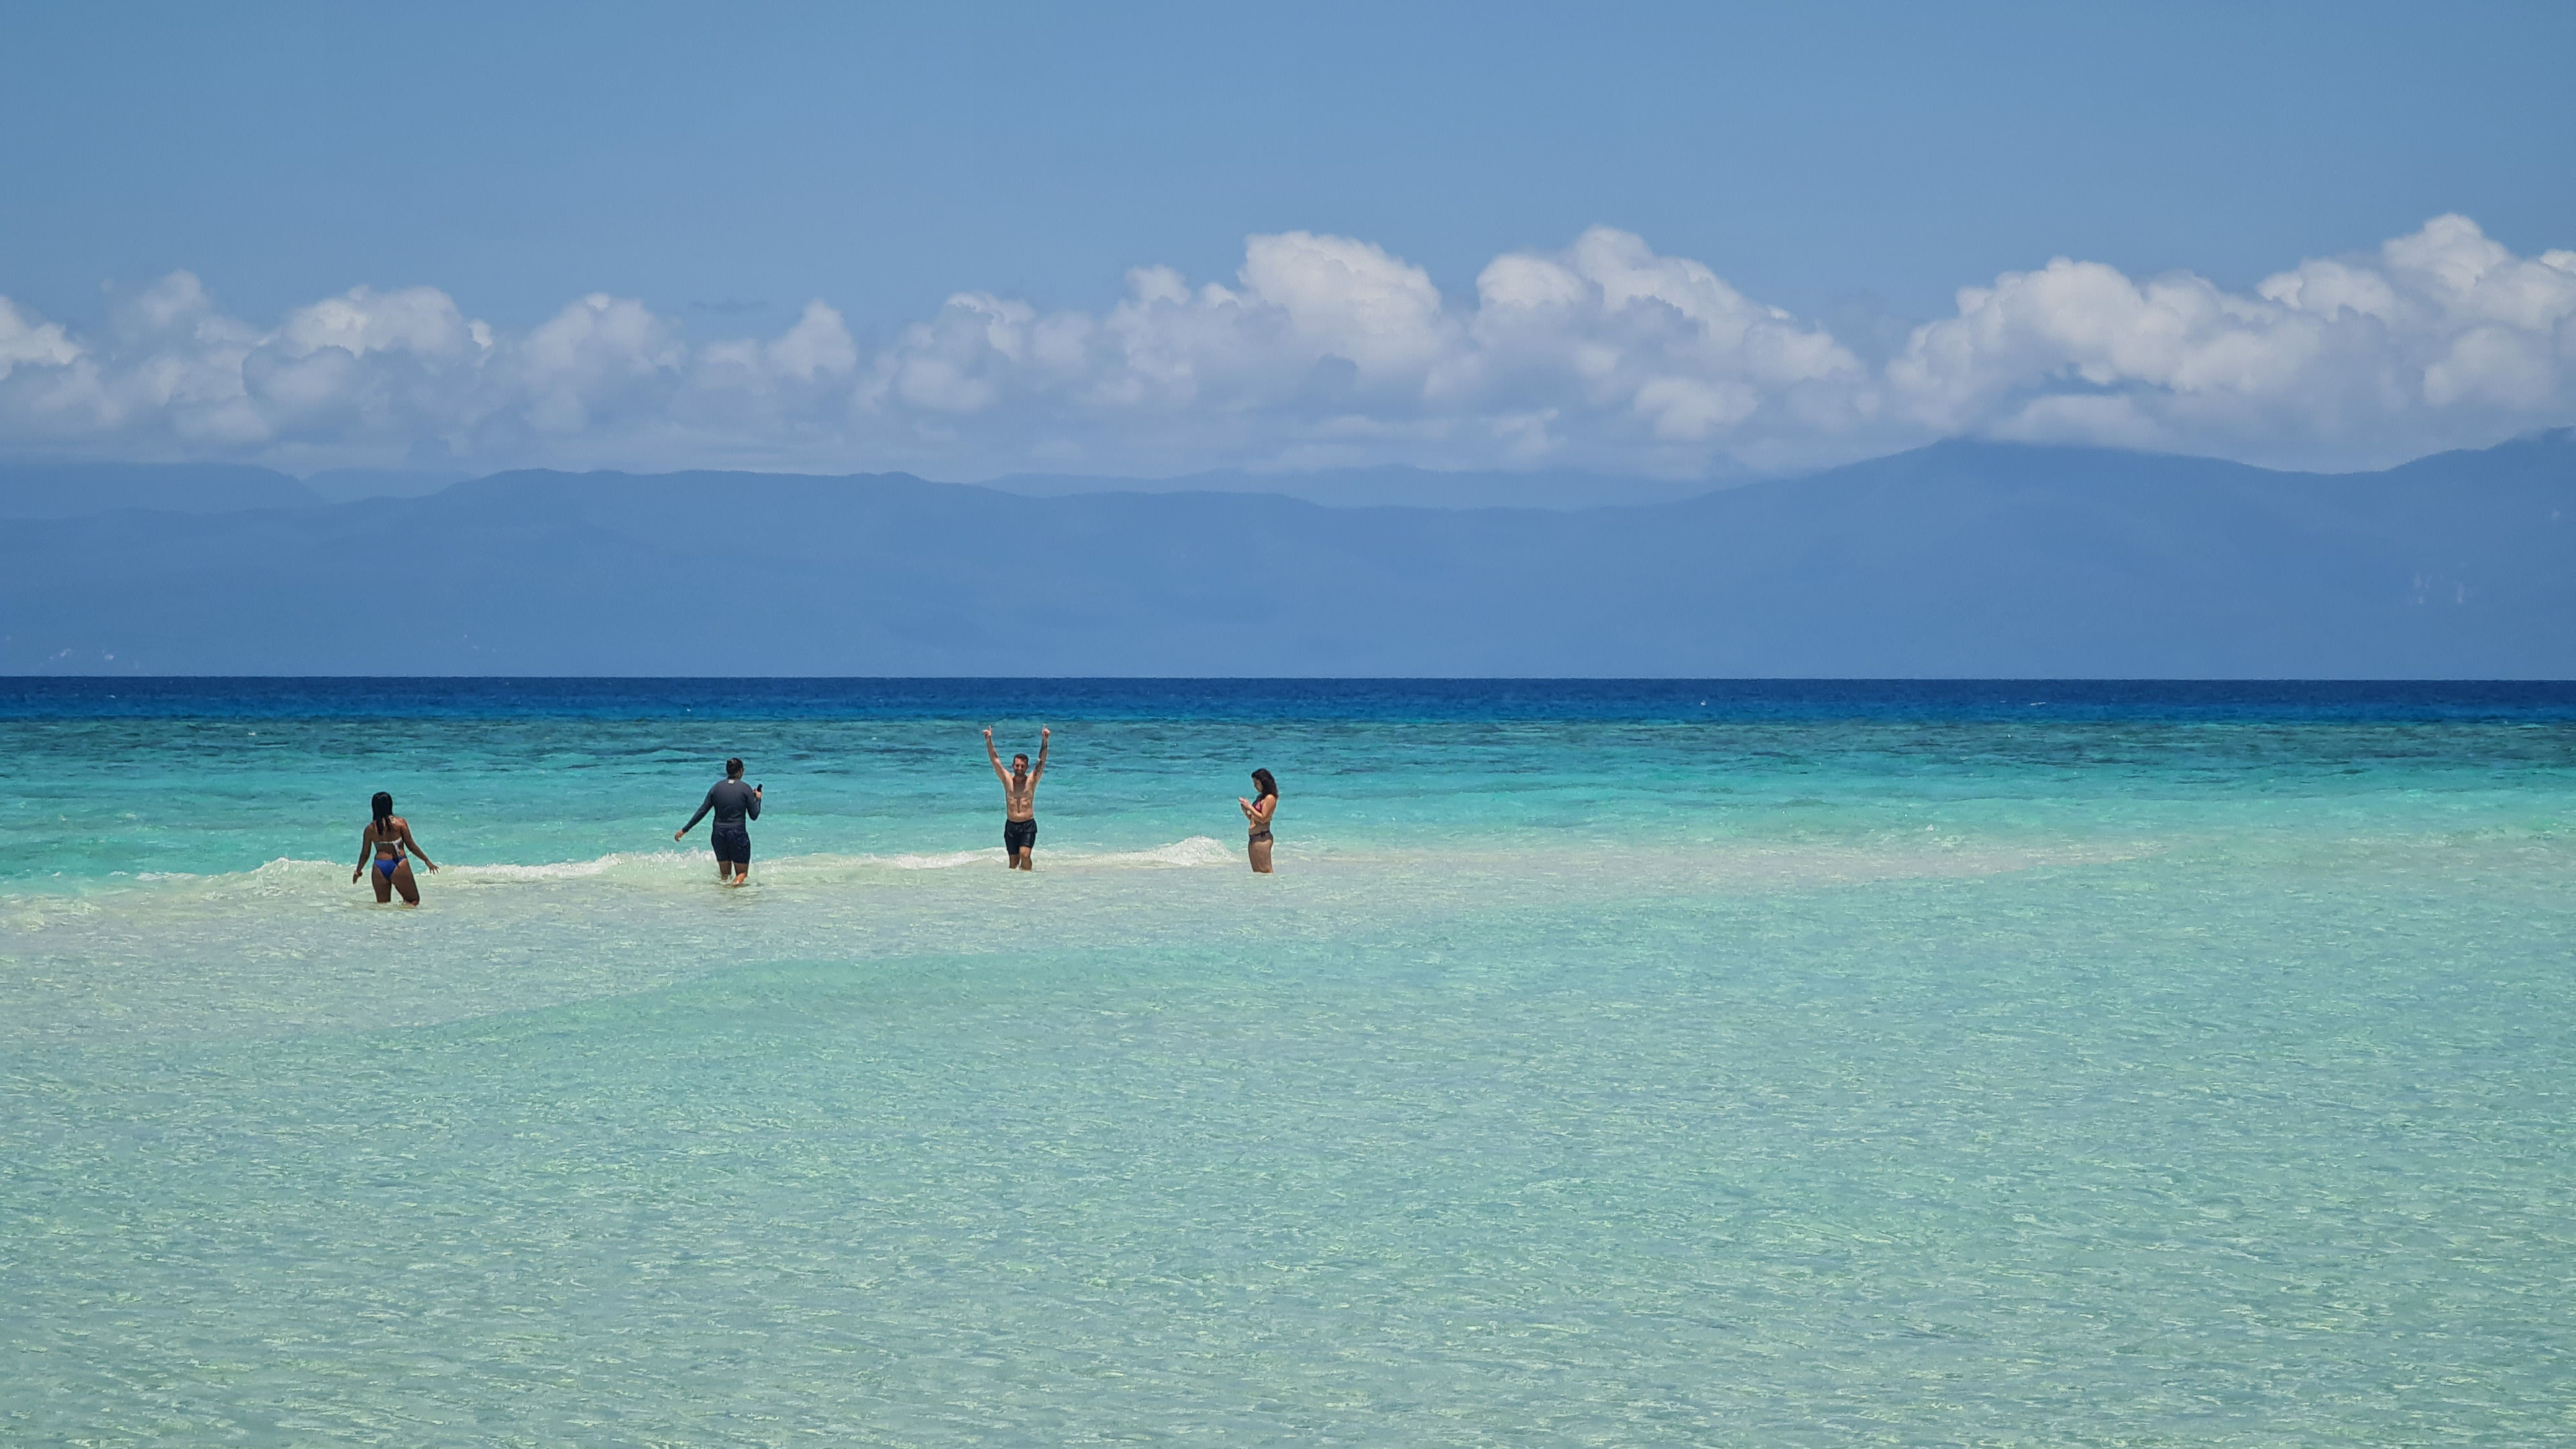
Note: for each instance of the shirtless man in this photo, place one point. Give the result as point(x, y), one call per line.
point(1020, 800)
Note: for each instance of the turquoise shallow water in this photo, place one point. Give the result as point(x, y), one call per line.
point(1813, 1066)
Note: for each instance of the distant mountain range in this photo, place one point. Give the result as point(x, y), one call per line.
point(1958, 560)
point(1390, 486)
point(73, 490)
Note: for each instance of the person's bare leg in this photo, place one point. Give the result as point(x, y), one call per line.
point(403, 882)
point(383, 883)
point(1260, 851)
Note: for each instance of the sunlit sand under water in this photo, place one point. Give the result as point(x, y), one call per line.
point(1646, 1080)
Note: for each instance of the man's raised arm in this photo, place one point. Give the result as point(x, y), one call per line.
point(996, 757)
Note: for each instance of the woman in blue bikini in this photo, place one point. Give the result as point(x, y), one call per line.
point(381, 849)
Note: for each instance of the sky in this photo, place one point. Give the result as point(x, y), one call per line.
point(1664, 240)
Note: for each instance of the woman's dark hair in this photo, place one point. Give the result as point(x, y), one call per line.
point(384, 806)
point(1268, 784)
point(733, 768)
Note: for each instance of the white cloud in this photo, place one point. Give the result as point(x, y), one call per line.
point(1326, 350)
point(1347, 299)
point(25, 341)
point(420, 320)
point(818, 345)
point(2443, 339)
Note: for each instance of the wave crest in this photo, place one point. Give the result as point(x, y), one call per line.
point(289, 874)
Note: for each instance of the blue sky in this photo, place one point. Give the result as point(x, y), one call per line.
point(714, 175)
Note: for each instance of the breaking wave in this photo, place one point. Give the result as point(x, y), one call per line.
point(289, 873)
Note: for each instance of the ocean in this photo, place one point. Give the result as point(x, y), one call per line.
point(1607, 1063)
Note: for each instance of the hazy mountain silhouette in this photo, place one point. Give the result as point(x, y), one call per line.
point(344, 485)
point(1394, 485)
point(1971, 560)
point(67, 490)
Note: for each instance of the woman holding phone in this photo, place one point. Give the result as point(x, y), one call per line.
point(1257, 812)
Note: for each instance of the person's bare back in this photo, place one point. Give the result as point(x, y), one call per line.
point(1019, 799)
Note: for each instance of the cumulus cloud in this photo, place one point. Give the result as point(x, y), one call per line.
point(2444, 338)
point(1329, 350)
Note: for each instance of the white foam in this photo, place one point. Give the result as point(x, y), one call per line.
point(566, 869)
point(1713, 864)
point(949, 861)
point(1197, 851)
point(280, 866)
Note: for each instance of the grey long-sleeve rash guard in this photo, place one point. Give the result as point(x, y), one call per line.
point(731, 800)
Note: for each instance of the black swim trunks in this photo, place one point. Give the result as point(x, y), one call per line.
point(733, 843)
point(1019, 835)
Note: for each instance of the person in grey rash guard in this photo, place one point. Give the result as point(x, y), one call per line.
point(734, 804)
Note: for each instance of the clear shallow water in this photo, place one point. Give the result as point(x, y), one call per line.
point(1818, 1064)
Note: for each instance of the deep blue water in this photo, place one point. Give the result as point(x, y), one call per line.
point(29, 697)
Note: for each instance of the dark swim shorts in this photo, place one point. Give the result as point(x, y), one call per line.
point(1019, 835)
point(733, 844)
